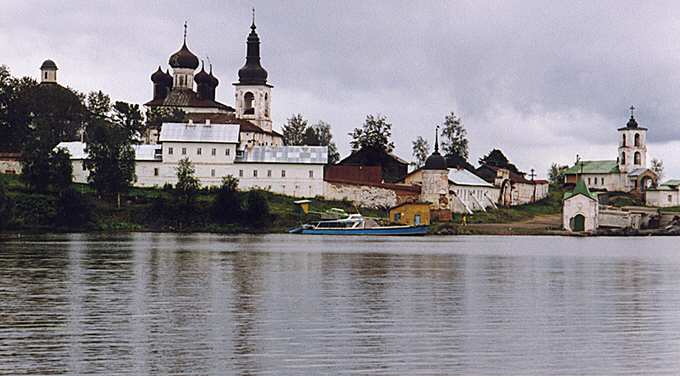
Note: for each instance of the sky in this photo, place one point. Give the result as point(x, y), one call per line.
point(541, 80)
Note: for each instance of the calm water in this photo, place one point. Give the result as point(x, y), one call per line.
point(292, 305)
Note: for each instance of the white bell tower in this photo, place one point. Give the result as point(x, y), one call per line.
point(632, 145)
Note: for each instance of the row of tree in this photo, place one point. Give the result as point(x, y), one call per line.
point(297, 132)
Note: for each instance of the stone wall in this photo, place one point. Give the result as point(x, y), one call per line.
point(362, 195)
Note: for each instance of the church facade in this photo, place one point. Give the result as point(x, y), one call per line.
point(628, 173)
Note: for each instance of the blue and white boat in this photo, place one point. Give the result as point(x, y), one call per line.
point(356, 224)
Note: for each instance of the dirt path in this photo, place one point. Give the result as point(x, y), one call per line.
point(549, 224)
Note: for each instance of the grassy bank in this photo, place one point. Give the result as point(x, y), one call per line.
point(149, 209)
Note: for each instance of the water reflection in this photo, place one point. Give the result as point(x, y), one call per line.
point(284, 305)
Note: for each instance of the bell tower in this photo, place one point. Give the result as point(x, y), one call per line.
point(632, 145)
point(253, 94)
point(48, 72)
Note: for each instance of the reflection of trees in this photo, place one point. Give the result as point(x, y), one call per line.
point(33, 306)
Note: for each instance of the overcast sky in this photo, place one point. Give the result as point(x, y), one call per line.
point(541, 80)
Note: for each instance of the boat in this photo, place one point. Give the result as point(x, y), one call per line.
point(356, 224)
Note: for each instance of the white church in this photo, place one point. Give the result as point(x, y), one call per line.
point(218, 139)
point(628, 173)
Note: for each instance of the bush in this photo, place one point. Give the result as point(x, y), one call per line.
point(227, 205)
point(34, 209)
point(6, 207)
point(73, 209)
point(257, 209)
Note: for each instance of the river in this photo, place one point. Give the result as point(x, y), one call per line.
point(167, 304)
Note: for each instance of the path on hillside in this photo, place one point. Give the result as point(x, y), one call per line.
point(548, 224)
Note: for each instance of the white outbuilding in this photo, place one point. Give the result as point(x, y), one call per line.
point(580, 209)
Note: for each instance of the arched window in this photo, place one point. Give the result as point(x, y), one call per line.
point(637, 139)
point(248, 99)
point(623, 158)
point(45, 75)
point(637, 158)
point(624, 140)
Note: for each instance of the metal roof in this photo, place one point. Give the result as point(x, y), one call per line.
point(637, 172)
point(142, 152)
point(594, 167)
point(285, 154)
point(211, 133)
point(465, 177)
point(672, 183)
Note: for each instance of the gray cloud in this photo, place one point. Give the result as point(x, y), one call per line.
point(541, 80)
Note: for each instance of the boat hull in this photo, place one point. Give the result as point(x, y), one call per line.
point(391, 231)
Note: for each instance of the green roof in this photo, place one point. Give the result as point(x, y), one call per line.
point(580, 189)
point(594, 167)
point(672, 183)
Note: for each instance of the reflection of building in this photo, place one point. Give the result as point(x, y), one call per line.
point(580, 209)
point(628, 173)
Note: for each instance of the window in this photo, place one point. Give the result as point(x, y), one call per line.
point(254, 173)
point(637, 139)
point(670, 198)
point(226, 152)
point(45, 75)
point(84, 167)
point(623, 158)
point(269, 173)
point(588, 181)
point(199, 151)
point(624, 140)
point(416, 219)
point(283, 173)
point(602, 181)
point(311, 173)
point(170, 151)
point(240, 173)
point(637, 158)
point(397, 217)
point(184, 151)
point(248, 99)
point(212, 172)
point(214, 152)
point(155, 172)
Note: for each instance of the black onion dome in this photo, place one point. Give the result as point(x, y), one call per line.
point(213, 80)
point(632, 123)
point(436, 162)
point(183, 58)
point(252, 72)
point(48, 64)
point(160, 77)
point(202, 77)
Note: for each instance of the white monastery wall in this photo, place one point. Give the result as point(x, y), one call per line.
point(364, 195)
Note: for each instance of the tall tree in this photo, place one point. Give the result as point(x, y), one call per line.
point(61, 169)
point(129, 117)
point(657, 167)
point(320, 134)
point(374, 134)
point(257, 209)
point(454, 137)
point(421, 150)
point(556, 174)
point(98, 104)
point(294, 130)
point(187, 185)
point(111, 158)
point(156, 116)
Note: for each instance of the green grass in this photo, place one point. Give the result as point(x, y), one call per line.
point(139, 211)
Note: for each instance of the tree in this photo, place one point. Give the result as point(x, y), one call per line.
point(319, 134)
point(657, 167)
point(374, 134)
point(129, 117)
point(111, 158)
point(421, 150)
point(454, 137)
point(73, 209)
point(496, 158)
point(187, 184)
point(227, 205)
point(556, 174)
point(61, 169)
point(294, 130)
point(98, 104)
point(35, 165)
point(6, 207)
point(257, 209)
